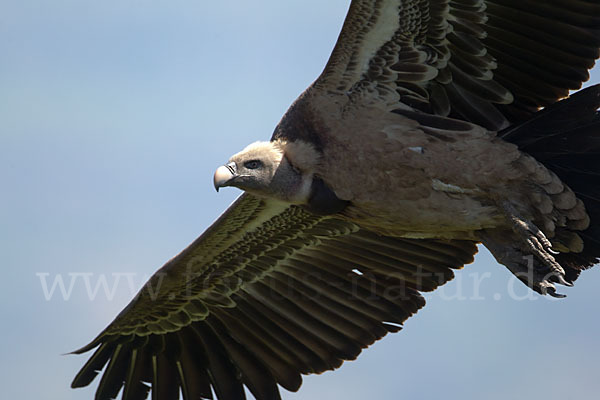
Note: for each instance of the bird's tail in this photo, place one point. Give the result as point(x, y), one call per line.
point(565, 137)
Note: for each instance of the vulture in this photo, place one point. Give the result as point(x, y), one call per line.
point(436, 125)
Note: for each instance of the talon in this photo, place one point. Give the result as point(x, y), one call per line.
point(562, 281)
point(552, 292)
point(551, 251)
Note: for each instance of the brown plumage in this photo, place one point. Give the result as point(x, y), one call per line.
point(421, 138)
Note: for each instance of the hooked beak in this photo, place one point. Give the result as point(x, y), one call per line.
point(224, 175)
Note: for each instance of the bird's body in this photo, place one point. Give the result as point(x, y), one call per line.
point(444, 183)
point(407, 178)
point(422, 137)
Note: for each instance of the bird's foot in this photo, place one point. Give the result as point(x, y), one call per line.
point(526, 267)
point(528, 254)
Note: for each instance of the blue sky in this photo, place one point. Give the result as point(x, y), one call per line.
point(113, 117)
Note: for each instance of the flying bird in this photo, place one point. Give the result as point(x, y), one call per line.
point(436, 125)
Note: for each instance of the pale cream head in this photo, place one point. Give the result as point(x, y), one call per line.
point(277, 169)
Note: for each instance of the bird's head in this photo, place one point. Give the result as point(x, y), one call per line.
point(276, 169)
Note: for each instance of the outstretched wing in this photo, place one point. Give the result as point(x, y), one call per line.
point(267, 293)
point(490, 62)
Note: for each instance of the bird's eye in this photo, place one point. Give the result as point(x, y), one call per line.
point(252, 164)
